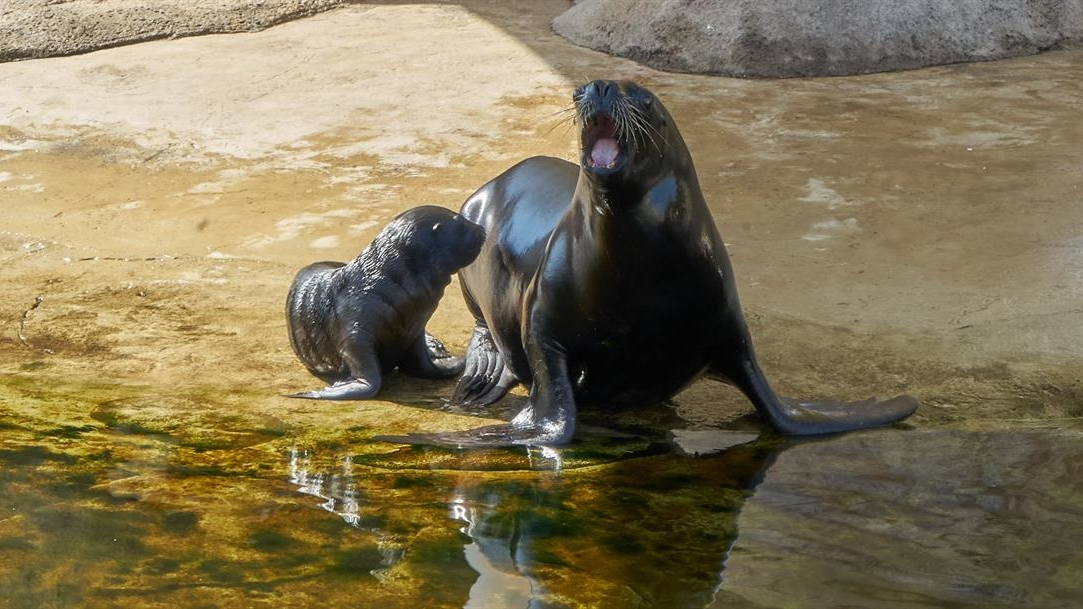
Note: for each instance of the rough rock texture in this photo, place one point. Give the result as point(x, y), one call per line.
point(48, 28)
point(782, 38)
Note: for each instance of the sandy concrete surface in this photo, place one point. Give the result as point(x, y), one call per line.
point(916, 232)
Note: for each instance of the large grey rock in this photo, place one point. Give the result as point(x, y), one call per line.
point(47, 28)
point(782, 38)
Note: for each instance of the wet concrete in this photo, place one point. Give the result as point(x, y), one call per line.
point(914, 232)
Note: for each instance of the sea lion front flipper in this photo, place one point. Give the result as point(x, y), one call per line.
point(365, 375)
point(352, 389)
point(548, 419)
point(485, 377)
point(489, 436)
point(428, 358)
point(551, 423)
point(791, 417)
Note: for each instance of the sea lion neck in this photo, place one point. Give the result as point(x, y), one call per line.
point(604, 197)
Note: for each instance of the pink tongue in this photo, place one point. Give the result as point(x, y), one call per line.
point(604, 153)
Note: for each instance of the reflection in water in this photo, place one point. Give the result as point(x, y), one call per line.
point(337, 490)
point(500, 583)
point(878, 520)
point(338, 494)
point(883, 519)
point(920, 519)
point(653, 531)
point(542, 458)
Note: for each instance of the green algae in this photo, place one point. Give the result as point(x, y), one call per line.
point(186, 497)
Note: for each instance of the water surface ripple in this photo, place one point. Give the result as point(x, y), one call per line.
point(882, 519)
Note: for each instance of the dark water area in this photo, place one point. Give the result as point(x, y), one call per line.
point(134, 516)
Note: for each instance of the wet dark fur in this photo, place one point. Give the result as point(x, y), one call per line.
point(607, 284)
point(350, 323)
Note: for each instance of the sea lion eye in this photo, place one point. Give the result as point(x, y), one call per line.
point(435, 226)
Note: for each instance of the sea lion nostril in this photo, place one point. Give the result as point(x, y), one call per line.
point(600, 89)
point(605, 91)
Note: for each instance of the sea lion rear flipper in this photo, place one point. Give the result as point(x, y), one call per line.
point(832, 416)
point(428, 358)
point(791, 417)
point(485, 377)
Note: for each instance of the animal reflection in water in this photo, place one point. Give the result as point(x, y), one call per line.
point(655, 529)
point(337, 493)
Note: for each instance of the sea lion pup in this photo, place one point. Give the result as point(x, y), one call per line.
point(606, 284)
point(351, 323)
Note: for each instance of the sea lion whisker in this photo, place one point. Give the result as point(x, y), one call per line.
point(567, 122)
point(626, 121)
point(628, 118)
point(564, 110)
point(648, 128)
point(643, 126)
point(568, 119)
point(581, 109)
point(620, 118)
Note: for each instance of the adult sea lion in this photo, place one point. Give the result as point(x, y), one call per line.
point(607, 284)
point(350, 323)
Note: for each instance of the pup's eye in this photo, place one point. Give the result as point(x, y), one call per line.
point(435, 226)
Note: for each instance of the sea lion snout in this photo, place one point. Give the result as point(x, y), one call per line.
point(602, 90)
point(467, 241)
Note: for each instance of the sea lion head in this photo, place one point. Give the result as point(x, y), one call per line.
point(435, 237)
point(624, 131)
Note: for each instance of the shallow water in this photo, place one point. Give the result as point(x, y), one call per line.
point(141, 507)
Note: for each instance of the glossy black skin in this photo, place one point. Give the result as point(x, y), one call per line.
point(610, 286)
point(351, 323)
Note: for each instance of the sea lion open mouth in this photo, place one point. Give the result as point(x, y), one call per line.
point(601, 146)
